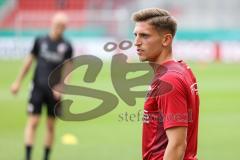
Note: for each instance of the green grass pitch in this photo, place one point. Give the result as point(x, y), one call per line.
point(109, 138)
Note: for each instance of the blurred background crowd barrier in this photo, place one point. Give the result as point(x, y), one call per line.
point(208, 30)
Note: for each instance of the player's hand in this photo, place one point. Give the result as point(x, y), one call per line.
point(57, 95)
point(15, 87)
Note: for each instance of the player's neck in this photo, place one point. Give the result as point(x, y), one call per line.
point(163, 57)
point(54, 37)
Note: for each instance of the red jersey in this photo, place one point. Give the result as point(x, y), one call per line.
point(172, 101)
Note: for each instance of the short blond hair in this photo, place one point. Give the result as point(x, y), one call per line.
point(60, 17)
point(157, 17)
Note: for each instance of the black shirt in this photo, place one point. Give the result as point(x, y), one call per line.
point(49, 54)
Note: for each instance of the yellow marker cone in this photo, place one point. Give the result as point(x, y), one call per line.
point(69, 139)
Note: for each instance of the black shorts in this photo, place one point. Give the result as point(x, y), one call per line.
point(40, 97)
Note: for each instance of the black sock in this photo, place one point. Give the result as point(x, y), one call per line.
point(47, 152)
point(28, 152)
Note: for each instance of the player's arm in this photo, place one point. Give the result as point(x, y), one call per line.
point(177, 142)
point(68, 65)
point(174, 103)
point(66, 70)
point(65, 78)
point(23, 72)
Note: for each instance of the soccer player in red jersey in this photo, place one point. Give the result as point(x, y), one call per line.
point(171, 109)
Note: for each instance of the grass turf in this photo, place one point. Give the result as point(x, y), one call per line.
point(107, 137)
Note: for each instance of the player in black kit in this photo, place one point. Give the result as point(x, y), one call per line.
point(49, 51)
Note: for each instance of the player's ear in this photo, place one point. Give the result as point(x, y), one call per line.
point(167, 40)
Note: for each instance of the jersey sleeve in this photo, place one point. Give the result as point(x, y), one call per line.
point(69, 52)
point(36, 48)
point(173, 105)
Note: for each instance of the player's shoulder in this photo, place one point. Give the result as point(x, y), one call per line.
point(175, 73)
point(172, 77)
point(174, 70)
point(170, 83)
point(177, 70)
point(179, 67)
